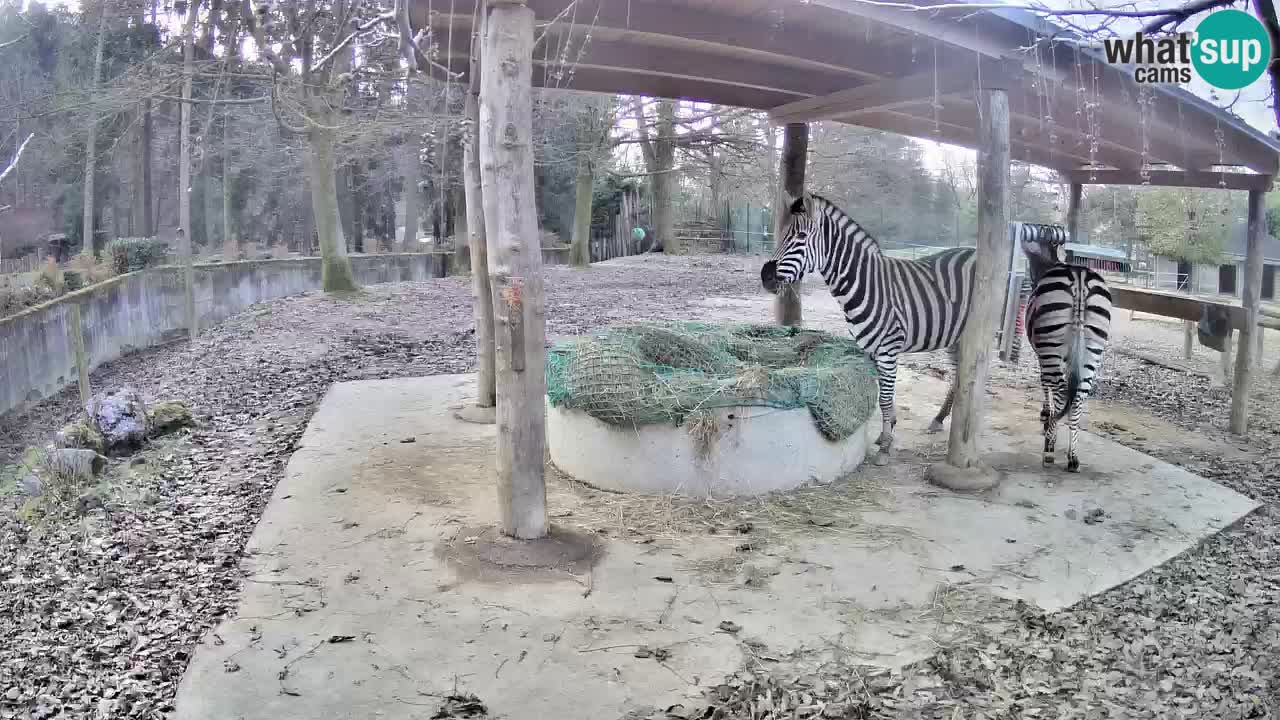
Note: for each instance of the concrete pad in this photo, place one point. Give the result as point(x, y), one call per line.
point(734, 455)
point(368, 595)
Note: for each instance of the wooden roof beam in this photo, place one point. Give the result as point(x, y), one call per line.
point(1173, 178)
point(656, 25)
point(1118, 89)
point(884, 95)
point(895, 121)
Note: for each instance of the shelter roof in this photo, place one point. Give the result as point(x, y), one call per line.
point(881, 65)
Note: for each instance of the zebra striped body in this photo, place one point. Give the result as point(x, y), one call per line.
point(1068, 324)
point(892, 306)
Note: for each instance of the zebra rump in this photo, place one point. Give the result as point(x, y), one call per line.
point(1069, 323)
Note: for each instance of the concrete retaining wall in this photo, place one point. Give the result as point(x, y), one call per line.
point(143, 309)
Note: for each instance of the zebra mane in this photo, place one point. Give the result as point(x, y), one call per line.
point(836, 213)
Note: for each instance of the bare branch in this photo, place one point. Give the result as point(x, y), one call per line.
point(260, 39)
point(216, 101)
point(15, 41)
point(1182, 13)
point(16, 157)
point(358, 31)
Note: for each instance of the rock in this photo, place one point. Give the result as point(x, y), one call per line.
point(74, 464)
point(31, 485)
point(121, 416)
point(168, 416)
point(80, 434)
point(91, 500)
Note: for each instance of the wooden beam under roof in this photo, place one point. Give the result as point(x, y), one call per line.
point(895, 121)
point(885, 94)
point(1170, 117)
point(1174, 178)
point(662, 26)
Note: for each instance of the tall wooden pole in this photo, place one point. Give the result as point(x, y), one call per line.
point(481, 292)
point(185, 236)
point(990, 274)
point(515, 265)
point(1250, 297)
point(795, 153)
point(75, 332)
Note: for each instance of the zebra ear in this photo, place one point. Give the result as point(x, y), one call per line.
point(798, 206)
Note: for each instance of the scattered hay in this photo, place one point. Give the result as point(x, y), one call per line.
point(704, 426)
point(835, 508)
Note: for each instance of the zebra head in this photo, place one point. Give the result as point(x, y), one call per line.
point(796, 253)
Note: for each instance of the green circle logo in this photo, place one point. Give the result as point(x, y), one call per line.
point(1232, 49)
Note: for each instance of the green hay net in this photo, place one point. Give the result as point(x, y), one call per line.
point(661, 373)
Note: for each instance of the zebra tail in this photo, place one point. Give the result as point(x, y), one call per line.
point(1077, 351)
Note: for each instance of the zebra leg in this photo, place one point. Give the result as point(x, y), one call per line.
point(1073, 423)
point(1051, 425)
point(936, 425)
point(1044, 407)
point(888, 368)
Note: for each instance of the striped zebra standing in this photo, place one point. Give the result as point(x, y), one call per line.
point(893, 306)
point(1068, 325)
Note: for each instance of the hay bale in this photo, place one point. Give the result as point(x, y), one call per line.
point(658, 373)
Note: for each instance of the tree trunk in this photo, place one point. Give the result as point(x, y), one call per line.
point(184, 170)
point(664, 147)
point(579, 253)
point(511, 224)
point(148, 212)
point(359, 199)
point(88, 245)
point(336, 275)
point(659, 159)
point(228, 225)
point(480, 288)
point(411, 171)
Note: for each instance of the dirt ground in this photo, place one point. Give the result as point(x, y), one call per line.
point(99, 609)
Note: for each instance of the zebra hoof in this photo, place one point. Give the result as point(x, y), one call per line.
point(1073, 465)
point(881, 459)
point(1048, 460)
point(935, 427)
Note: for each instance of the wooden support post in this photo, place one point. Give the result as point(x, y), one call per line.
point(795, 153)
point(188, 283)
point(990, 278)
point(75, 333)
point(481, 293)
point(1224, 357)
point(1073, 211)
point(1251, 297)
point(515, 265)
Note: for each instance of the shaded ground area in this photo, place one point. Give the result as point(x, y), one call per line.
point(98, 613)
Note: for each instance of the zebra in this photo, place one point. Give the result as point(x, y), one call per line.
point(892, 306)
point(1068, 325)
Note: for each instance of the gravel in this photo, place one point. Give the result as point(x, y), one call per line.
point(102, 603)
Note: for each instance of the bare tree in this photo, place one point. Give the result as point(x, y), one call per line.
point(91, 144)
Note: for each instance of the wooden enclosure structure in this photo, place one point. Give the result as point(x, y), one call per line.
point(1004, 82)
